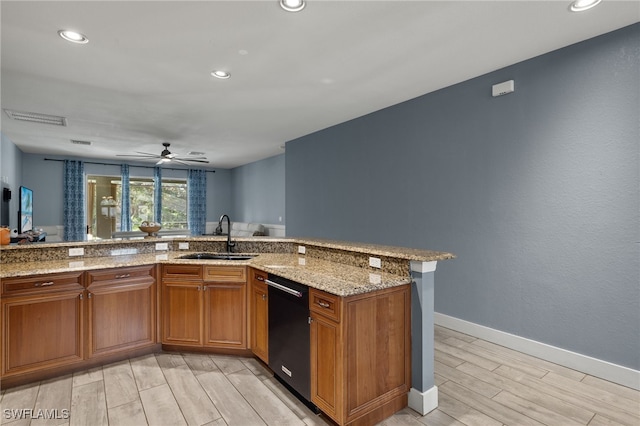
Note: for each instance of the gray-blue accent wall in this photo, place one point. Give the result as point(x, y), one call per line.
point(258, 191)
point(537, 192)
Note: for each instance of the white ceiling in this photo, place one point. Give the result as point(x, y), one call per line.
point(144, 76)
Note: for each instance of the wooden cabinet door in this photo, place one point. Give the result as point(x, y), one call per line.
point(121, 316)
point(42, 331)
point(182, 313)
point(259, 319)
point(326, 367)
point(225, 315)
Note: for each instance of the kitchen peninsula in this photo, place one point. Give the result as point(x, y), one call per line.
point(123, 298)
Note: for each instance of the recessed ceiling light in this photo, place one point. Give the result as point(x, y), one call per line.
point(220, 74)
point(292, 5)
point(582, 5)
point(73, 36)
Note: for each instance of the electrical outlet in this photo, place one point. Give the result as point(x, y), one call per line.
point(162, 246)
point(302, 249)
point(79, 251)
point(374, 262)
point(183, 246)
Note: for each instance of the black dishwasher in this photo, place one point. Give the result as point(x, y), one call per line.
point(289, 334)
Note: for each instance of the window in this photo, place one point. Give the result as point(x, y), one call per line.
point(103, 219)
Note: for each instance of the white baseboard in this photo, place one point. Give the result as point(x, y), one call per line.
point(605, 370)
point(423, 402)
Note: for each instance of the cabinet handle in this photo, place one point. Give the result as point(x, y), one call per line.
point(323, 304)
point(122, 276)
point(89, 295)
point(260, 278)
point(81, 296)
point(264, 297)
point(198, 288)
point(47, 284)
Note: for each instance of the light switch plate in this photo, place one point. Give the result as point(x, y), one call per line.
point(374, 262)
point(183, 246)
point(302, 249)
point(162, 246)
point(78, 251)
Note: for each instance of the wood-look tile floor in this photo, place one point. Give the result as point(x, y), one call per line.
point(479, 383)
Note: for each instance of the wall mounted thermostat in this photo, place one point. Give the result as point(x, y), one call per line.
point(502, 88)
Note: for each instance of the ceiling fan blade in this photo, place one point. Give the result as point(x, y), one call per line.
point(139, 155)
point(190, 160)
point(174, 160)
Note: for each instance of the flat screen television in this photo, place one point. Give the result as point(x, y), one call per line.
point(26, 210)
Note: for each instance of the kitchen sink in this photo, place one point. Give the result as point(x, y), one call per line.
point(218, 256)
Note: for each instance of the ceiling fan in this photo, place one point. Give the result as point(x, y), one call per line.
point(167, 157)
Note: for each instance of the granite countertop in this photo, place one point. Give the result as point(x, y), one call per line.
point(372, 249)
point(332, 277)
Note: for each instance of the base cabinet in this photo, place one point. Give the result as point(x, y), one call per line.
point(42, 331)
point(52, 323)
point(182, 305)
point(361, 354)
point(204, 306)
point(259, 315)
point(121, 310)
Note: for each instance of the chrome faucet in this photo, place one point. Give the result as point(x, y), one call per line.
point(230, 244)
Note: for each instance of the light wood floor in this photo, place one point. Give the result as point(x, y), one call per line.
point(479, 383)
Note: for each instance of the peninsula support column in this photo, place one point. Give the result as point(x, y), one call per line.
point(423, 396)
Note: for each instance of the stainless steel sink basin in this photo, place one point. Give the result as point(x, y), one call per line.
point(217, 256)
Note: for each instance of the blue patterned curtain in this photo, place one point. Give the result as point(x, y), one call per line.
point(74, 201)
point(125, 207)
point(197, 201)
point(157, 194)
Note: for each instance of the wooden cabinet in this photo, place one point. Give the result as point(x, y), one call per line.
point(121, 310)
point(225, 306)
point(360, 354)
point(42, 322)
point(259, 315)
point(204, 306)
point(50, 322)
point(182, 307)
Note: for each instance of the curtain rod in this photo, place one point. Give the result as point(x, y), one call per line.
point(116, 164)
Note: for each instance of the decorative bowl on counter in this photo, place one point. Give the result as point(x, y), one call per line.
point(151, 228)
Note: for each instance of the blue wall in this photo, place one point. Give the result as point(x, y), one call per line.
point(258, 191)
point(535, 191)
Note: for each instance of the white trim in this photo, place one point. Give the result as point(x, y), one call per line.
point(596, 367)
point(423, 267)
point(423, 402)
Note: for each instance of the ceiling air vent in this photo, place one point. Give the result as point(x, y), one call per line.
point(77, 142)
point(35, 117)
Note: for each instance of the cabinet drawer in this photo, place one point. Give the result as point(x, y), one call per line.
point(259, 276)
point(189, 272)
point(42, 283)
point(225, 273)
point(325, 304)
point(120, 274)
